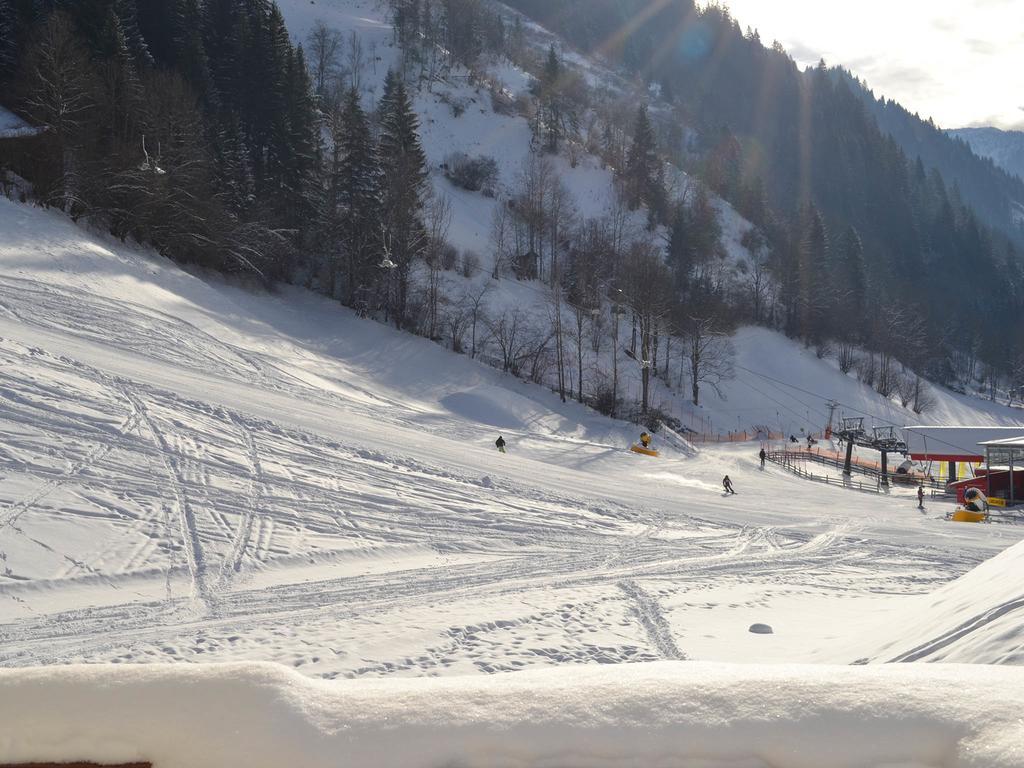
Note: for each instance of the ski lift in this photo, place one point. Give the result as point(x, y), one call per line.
point(886, 439)
point(149, 165)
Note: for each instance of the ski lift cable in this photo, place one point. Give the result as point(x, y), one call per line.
point(817, 409)
point(884, 421)
point(799, 416)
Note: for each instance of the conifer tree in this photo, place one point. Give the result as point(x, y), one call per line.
point(404, 169)
point(642, 173)
point(815, 296)
point(547, 125)
point(9, 29)
point(191, 57)
point(356, 198)
point(850, 284)
point(301, 199)
point(128, 15)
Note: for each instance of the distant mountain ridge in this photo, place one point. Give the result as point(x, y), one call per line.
point(986, 182)
point(1004, 148)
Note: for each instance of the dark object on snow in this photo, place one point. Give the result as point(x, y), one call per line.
point(762, 455)
point(727, 484)
point(792, 439)
point(500, 443)
point(762, 629)
point(920, 497)
point(527, 266)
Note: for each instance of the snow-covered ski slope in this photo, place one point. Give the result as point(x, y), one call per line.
point(193, 471)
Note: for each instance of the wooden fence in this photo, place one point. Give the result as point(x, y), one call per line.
point(732, 437)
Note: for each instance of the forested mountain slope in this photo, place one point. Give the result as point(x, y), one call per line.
point(397, 157)
point(785, 144)
point(1004, 148)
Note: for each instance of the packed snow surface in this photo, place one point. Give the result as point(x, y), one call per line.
point(191, 471)
point(689, 714)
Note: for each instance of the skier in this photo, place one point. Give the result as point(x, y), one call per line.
point(762, 455)
point(500, 442)
point(727, 484)
point(920, 497)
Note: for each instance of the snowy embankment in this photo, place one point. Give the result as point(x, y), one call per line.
point(976, 618)
point(667, 714)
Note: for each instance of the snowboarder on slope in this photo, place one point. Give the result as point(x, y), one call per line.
point(762, 455)
point(920, 497)
point(727, 484)
point(645, 440)
point(500, 443)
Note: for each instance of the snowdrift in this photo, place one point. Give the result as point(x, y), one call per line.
point(679, 714)
point(978, 618)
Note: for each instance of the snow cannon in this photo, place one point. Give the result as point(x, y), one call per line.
point(644, 446)
point(974, 509)
point(645, 451)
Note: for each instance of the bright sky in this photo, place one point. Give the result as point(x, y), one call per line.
point(960, 62)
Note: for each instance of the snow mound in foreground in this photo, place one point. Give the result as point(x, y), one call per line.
point(978, 618)
point(680, 714)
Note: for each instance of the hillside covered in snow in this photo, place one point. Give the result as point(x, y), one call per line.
point(192, 471)
point(251, 391)
point(195, 471)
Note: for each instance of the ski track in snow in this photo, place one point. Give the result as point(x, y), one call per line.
point(650, 616)
point(166, 494)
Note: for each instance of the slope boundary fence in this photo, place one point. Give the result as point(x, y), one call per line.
point(733, 437)
point(790, 463)
point(869, 469)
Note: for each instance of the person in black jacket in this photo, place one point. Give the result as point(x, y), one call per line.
point(727, 484)
point(500, 443)
point(762, 456)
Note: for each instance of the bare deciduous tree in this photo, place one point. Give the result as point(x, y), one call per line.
point(709, 353)
point(502, 241)
point(58, 95)
point(325, 48)
point(473, 301)
point(356, 61)
point(509, 332)
point(645, 284)
point(439, 218)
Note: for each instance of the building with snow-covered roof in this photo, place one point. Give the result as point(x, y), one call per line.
point(14, 127)
point(18, 143)
point(953, 443)
point(1004, 468)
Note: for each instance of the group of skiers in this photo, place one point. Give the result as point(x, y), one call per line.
point(645, 440)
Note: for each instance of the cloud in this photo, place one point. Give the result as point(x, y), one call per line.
point(883, 73)
point(957, 62)
point(803, 53)
point(982, 47)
